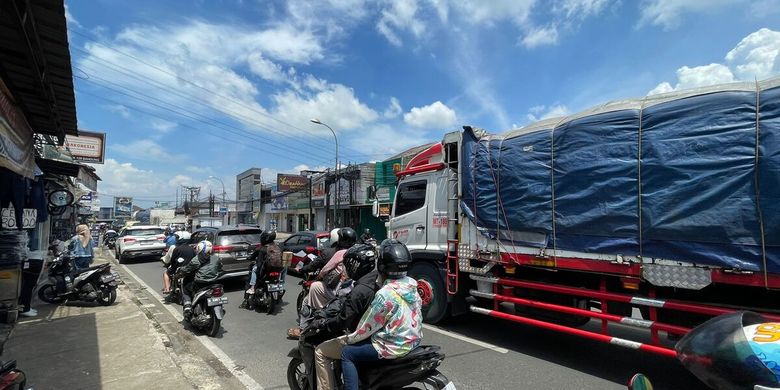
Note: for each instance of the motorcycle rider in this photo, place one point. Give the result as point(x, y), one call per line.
point(359, 268)
point(267, 258)
point(183, 250)
point(392, 326)
point(320, 293)
point(205, 266)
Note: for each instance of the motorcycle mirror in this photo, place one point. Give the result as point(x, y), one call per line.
point(639, 382)
point(180, 260)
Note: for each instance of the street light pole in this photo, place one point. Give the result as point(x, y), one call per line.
point(338, 182)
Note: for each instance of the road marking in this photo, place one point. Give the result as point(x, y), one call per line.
point(245, 379)
point(465, 338)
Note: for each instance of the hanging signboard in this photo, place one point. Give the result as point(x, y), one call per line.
point(87, 146)
point(123, 206)
point(29, 218)
point(286, 183)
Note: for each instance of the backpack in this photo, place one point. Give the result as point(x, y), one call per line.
point(273, 256)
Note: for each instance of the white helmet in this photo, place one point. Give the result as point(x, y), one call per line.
point(204, 248)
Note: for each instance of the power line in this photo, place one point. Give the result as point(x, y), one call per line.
point(167, 88)
point(238, 132)
point(178, 77)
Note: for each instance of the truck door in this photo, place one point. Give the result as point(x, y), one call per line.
point(437, 212)
point(410, 213)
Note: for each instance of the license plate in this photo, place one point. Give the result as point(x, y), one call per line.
point(275, 287)
point(217, 301)
point(241, 254)
point(106, 279)
point(146, 242)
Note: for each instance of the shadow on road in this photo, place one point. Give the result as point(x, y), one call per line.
point(609, 362)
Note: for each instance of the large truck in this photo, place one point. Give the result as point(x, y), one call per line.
point(667, 206)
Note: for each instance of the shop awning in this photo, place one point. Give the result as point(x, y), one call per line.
point(35, 64)
point(58, 167)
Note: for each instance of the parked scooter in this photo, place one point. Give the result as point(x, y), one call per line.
point(12, 378)
point(207, 309)
point(97, 283)
point(419, 366)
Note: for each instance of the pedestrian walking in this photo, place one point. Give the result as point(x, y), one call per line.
point(81, 247)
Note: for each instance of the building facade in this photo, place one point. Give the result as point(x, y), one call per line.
point(246, 194)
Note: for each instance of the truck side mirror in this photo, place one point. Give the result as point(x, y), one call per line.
point(371, 192)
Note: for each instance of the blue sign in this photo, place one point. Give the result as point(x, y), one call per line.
point(223, 210)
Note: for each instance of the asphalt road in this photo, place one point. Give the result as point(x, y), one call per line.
point(482, 353)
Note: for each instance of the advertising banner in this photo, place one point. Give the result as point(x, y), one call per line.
point(279, 203)
point(87, 146)
point(286, 183)
point(123, 206)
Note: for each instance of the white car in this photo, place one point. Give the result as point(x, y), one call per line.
point(139, 241)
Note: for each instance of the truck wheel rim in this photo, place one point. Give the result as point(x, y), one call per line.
point(425, 290)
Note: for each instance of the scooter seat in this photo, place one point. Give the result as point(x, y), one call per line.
point(422, 352)
point(94, 267)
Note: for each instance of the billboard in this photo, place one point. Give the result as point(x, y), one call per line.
point(87, 146)
point(286, 183)
point(123, 206)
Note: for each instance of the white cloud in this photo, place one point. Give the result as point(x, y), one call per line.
point(336, 105)
point(580, 9)
point(266, 69)
point(123, 111)
point(124, 179)
point(757, 55)
point(537, 113)
point(401, 15)
point(163, 126)
point(375, 144)
point(668, 13)
point(433, 116)
point(489, 12)
point(147, 150)
point(394, 109)
point(540, 36)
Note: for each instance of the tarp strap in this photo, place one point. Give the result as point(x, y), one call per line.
point(552, 187)
point(500, 202)
point(758, 188)
point(639, 176)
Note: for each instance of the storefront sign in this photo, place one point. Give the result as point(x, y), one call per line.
point(318, 190)
point(318, 203)
point(384, 210)
point(279, 203)
point(16, 137)
point(286, 183)
point(87, 146)
point(123, 206)
point(29, 218)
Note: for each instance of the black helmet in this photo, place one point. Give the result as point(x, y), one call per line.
point(394, 259)
point(359, 260)
point(342, 238)
point(267, 237)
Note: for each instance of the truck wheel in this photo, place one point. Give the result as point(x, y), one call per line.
point(432, 290)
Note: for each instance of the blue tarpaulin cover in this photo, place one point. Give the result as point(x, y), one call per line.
point(691, 176)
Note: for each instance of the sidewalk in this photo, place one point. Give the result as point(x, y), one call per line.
point(123, 346)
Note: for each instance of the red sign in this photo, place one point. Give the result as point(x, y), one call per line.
point(87, 146)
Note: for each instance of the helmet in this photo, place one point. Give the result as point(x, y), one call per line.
point(203, 248)
point(359, 260)
point(342, 237)
point(168, 231)
point(267, 237)
point(394, 259)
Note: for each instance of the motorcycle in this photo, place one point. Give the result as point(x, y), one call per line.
point(207, 309)
point(735, 351)
point(305, 282)
point(96, 283)
point(12, 378)
point(418, 366)
point(268, 292)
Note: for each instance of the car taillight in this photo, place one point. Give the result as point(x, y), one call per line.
point(222, 248)
point(128, 240)
point(309, 249)
point(216, 292)
point(258, 246)
point(272, 274)
point(161, 237)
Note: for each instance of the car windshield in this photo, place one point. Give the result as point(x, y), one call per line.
point(144, 232)
point(239, 237)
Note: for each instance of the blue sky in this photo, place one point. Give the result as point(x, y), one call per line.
point(186, 90)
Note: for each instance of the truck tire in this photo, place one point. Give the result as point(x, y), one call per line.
point(433, 291)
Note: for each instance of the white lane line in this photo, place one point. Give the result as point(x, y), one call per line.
point(465, 338)
point(245, 379)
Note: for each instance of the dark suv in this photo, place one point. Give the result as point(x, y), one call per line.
point(233, 244)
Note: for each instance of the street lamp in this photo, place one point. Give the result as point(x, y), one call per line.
point(223, 190)
point(338, 183)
